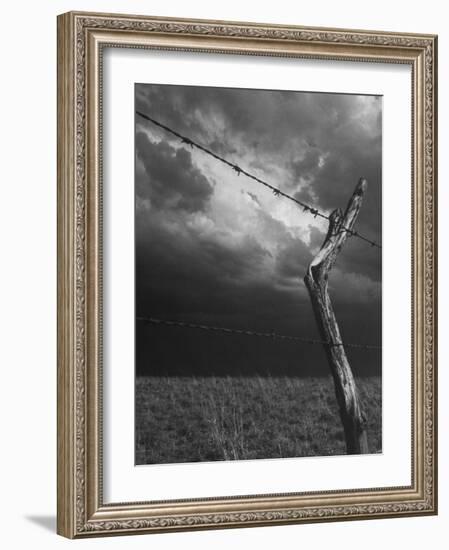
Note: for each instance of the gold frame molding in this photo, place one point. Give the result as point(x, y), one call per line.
point(81, 38)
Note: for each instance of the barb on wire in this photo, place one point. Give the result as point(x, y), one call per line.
point(276, 191)
point(243, 332)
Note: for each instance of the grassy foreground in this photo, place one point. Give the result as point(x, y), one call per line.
point(190, 419)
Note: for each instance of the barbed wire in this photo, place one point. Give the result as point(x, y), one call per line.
point(245, 332)
point(275, 190)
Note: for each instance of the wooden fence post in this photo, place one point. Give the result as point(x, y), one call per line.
point(316, 280)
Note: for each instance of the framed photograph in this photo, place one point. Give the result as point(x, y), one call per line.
point(246, 274)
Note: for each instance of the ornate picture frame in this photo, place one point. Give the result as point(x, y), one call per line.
point(82, 41)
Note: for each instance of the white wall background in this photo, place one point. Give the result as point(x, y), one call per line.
point(28, 272)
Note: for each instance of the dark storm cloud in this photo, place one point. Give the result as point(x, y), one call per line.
point(246, 270)
point(170, 179)
point(358, 257)
point(293, 258)
point(321, 139)
point(185, 276)
point(332, 184)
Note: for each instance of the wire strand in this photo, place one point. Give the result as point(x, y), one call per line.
point(245, 332)
point(276, 191)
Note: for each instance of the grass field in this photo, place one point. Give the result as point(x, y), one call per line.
point(190, 419)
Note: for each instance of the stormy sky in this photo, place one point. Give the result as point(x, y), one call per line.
point(217, 248)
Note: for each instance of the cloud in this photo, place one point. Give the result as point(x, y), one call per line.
point(318, 145)
point(292, 259)
point(169, 179)
point(179, 274)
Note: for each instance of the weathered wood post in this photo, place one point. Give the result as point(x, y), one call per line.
point(316, 280)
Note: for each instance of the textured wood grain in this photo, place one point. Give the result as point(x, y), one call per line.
point(316, 279)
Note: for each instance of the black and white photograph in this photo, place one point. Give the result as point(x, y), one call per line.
point(258, 274)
